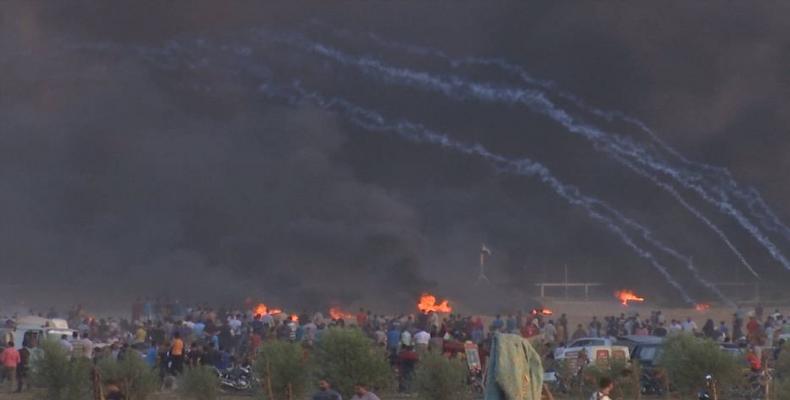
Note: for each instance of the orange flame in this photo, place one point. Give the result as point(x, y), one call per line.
point(627, 295)
point(337, 313)
point(261, 309)
point(428, 303)
point(542, 311)
point(294, 318)
point(702, 307)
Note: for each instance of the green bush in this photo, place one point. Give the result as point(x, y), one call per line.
point(626, 378)
point(62, 378)
point(688, 359)
point(345, 357)
point(781, 389)
point(782, 365)
point(199, 383)
point(440, 378)
point(132, 375)
point(283, 369)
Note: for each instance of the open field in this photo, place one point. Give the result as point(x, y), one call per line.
point(581, 312)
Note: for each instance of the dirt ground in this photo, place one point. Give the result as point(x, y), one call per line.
point(581, 312)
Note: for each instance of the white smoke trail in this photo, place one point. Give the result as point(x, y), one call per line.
point(680, 199)
point(616, 222)
point(461, 89)
point(175, 55)
point(719, 179)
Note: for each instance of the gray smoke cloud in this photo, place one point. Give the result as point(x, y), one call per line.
point(139, 158)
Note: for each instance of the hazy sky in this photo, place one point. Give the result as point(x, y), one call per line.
point(151, 149)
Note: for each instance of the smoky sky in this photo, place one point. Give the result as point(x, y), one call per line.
point(141, 156)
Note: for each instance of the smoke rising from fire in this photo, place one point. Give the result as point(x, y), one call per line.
point(151, 157)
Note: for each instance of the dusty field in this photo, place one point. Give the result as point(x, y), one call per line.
point(581, 312)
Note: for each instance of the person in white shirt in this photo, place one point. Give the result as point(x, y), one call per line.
point(421, 340)
point(689, 326)
point(87, 346)
point(66, 344)
point(235, 325)
point(605, 387)
point(405, 338)
point(549, 332)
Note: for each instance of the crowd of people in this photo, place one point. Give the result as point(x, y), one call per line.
point(171, 337)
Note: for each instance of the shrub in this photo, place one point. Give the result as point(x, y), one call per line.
point(199, 383)
point(132, 375)
point(781, 389)
point(63, 378)
point(688, 359)
point(345, 357)
point(283, 369)
point(440, 378)
point(626, 379)
point(782, 365)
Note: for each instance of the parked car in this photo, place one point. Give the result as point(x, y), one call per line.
point(596, 348)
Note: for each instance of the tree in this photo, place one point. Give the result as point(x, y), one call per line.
point(135, 379)
point(440, 378)
point(688, 360)
point(346, 357)
point(284, 370)
point(626, 378)
point(199, 383)
point(63, 378)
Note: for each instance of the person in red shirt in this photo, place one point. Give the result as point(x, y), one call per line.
point(10, 359)
point(362, 318)
point(255, 342)
point(754, 361)
point(753, 330)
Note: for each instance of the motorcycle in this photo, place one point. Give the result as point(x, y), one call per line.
point(651, 383)
point(237, 379)
point(709, 391)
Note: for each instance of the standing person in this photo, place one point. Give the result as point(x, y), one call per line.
point(361, 392)
point(77, 349)
point(393, 340)
point(405, 338)
point(10, 359)
point(579, 333)
point(550, 332)
point(23, 367)
point(177, 354)
point(325, 392)
point(690, 326)
point(66, 344)
point(151, 355)
point(605, 387)
point(407, 361)
point(421, 340)
point(563, 328)
point(87, 346)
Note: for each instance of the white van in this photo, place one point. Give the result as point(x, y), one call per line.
point(34, 330)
